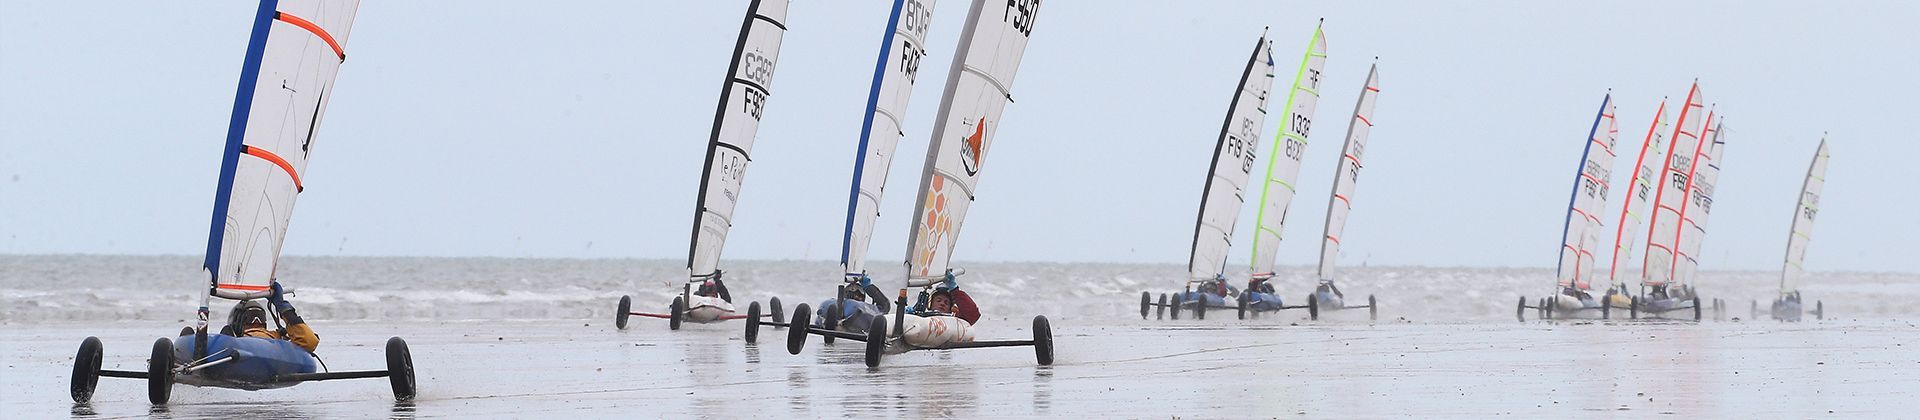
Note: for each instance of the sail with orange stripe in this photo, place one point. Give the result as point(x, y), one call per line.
point(1347, 173)
point(1591, 183)
point(1706, 174)
point(979, 87)
point(1670, 192)
point(1633, 211)
point(296, 49)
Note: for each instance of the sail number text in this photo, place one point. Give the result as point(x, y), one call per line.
point(1021, 13)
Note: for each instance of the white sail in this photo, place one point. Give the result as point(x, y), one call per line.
point(1693, 218)
point(979, 86)
point(1283, 167)
point(742, 98)
point(1670, 193)
point(1592, 181)
point(1233, 157)
point(296, 49)
point(1633, 211)
point(1803, 213)
point(900, 52)
point(1347, 172)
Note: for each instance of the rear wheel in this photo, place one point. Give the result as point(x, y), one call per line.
point(1633, 308)
point(622, 311)
point(1819, 310)
point(753, 322)
point(1160, 312)
point(1243, 305)
point(86, 370)
point(1313, 307)
point(876, 341)
point(400, 369)
point(160, 372)
point(1173, 312)
point(1606, 306)
point(1373, 309)
point(1146, 301)
point(1042, 341)
point(1520, 310)
point(1753, 313)
point(797, 331)
point(676, 313)
point(1546, 308)
point(1200, 308)
point(773, 306)
point(1696, 308)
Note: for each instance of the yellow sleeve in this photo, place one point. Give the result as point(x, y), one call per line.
point(303, 336)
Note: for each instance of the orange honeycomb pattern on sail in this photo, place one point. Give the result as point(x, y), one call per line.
point(937, 224)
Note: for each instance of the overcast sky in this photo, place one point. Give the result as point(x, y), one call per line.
point(576, 129)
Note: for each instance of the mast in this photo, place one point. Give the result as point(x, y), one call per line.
point(1591, 183)
point(1276, 192)
point(1637, 198)
point(1347, 173)
point(1233, 156)
point(736, 120)
point(1801, 234)
point(901, 49)
point(978, 90)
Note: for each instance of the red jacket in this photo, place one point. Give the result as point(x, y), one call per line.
point(964, 307)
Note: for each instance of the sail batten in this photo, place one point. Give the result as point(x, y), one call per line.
point(901, 50)
point(976, 94)
point(1234, 152)
point(1346, 174)
point(1800, 235)
point(1633, 210)
point(1283, 166)
point(295, 50)
point(736, 121)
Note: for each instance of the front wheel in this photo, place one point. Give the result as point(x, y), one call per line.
point(1243, 305)
point(1160, 312)
point(160, 372)
point(86, 370)
point(773, 305)
point(1313, 307)
point(1819, 310)
point(1633, 308)
point(1696, 309)
point(622, 312)
point(876, 341)
point(1042, 341)
point(400, 369)
point(797, 333)
point(1520, 310)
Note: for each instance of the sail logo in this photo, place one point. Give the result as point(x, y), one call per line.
point(935, 225)
point(970, 148)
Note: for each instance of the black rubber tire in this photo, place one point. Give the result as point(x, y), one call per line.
point(1160, 312)
point(1520, 310)
point(1146, 303)
point(1200, 309)
point(186, 331)
point(832, 320)
point(1373, 309)
point(773, 308)
point(1633, 308)
point(1696, 308)
point(86, 370)
point(400, 370)
point(1606, 306)
point(1243, 306)
point(1313, 308)
point(1546, 308)
point(1819, 310)
point(227, 330)
point(753, 322)
point(1540, 308)
point(876, 341)
point(1753, 311)
point(797, 335)
point(622, 311)
point(676, 313)
point(160, 372)
point(1042, 341)
point(1173, 312)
